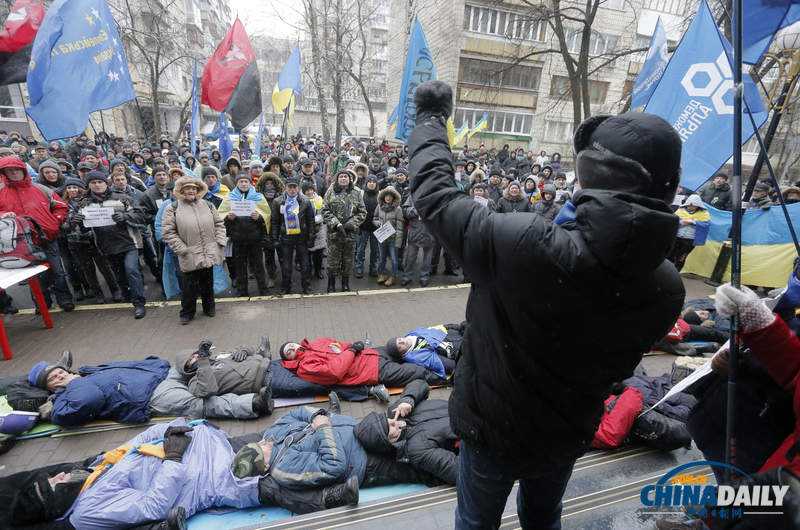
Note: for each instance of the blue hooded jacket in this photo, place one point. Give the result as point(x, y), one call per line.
point(118, 391)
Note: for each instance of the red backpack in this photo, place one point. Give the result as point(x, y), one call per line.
point(17, 248)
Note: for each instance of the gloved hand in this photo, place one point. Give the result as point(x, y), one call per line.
point(240, 356)
point(78, 218)
point(118, 217)
point(357, 347)
point(342, 233)
point(176, 442)
point(204, 350)
point(433, 98)
point(349, 228)
point(753, 314)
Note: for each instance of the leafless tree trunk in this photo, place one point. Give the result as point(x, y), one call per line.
point(316, 74)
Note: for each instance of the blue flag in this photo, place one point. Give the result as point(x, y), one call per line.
point(695, 96)
point(77, 66)
point(418, 69)
point(653, 69)
point(225, 145)
point(258, 137)
point(195, 111)
point(761, 19)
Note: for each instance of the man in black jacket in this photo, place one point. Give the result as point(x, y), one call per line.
point(527, 410)
point(293, 230)
point(718, 194)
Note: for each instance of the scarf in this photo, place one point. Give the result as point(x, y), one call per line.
point(269, 193)
point(292, 208)
point(212, 191)
point(252, 195)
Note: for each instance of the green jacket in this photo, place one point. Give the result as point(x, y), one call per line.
point(343, 206)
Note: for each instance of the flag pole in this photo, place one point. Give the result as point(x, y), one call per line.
point(736, 235)
point(285, 117)
point(141, 117)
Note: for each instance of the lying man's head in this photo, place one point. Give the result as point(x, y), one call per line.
point(48, 498)
point(50, 377)
point(377, 432)
point(398, 347)
point(696, 317)
point(289, 350)
point(252, 460)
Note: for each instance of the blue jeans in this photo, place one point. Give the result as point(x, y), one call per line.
point(54, 280)
point(129, 276)
point(388, 250)
point(361, 250)
point(286, 384)
point(484, 484)
point(412, 252)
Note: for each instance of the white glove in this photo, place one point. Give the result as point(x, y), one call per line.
point(753, 314)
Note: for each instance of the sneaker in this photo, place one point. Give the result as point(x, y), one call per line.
point(341, 494)
point(263, 404)
point(690, 525)
point(139, 312)
point(380, 392)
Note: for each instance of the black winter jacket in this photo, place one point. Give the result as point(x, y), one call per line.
point(540, 402)
point(720, 198)
point(370, 202)
point(243, 229)
point(119, 237)
point(427, 442)
point(305, 217)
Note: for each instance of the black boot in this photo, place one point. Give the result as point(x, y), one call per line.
point(318, 274)
point(331, 284)
point(711, 347)
point(65, 359)
point(368, 340)
point(176, 520)
point(341, 494)
point(345, 284)
point(336, 406)
point(78, 294)
point(263, 348)
point(263, 404)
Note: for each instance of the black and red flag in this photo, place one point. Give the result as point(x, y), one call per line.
point(16, 40)
point(231, 81)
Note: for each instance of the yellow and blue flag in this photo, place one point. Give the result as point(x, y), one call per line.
point(461, 132)
point(768, 251)
point(392, 121)
point(481, 125)
point(77, 66)
point(289, 82)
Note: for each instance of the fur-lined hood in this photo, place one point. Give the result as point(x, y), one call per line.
point(181, 182)
point(389, 190)
point(521, 197)
point(267, 177)
point(361, 170)
point(790, 189)
point(477, 176)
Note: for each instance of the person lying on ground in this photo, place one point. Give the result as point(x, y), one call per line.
point(415, 431)
point(435, 348)
point(154, 487)
point(693, 326)
point(330, 362)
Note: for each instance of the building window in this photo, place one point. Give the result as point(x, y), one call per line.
point(11, 105)
point(627, 89)
point(504, 23)
point(599, 44)
point(598, 90)
point(499, 74)
point(558, 131)
point(673, 7)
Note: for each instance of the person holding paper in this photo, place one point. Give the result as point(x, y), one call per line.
point(246, 231)
point(293, 231)
point(389, 213)
point(114, 221)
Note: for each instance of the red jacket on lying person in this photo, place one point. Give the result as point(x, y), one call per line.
point(329, 362)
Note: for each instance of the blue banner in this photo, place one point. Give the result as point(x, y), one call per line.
point(418, 69)
point(695, 96)
point(258, 138)
point(761, 19)
point(77, 67)
point(653, 69)
point(195, 112)
point(225, 145)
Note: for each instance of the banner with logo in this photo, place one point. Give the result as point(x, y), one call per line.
point(695, 96)
point(653, 69)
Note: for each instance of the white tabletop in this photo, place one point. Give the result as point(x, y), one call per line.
point(9, 277)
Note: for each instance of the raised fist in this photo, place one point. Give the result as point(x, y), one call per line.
point(433, 98)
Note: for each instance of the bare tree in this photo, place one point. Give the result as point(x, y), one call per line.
point(154, 38)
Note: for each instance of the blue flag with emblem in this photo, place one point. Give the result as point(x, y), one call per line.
point(77, 67)
point(225, 145)
point(418, 69)
point(695, 96)
point(195, 111)
point(653, 69)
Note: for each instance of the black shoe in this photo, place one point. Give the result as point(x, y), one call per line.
point(69, 306)
point(263, 348)
point(318, 273)
point(331, 284)
point(307, 290)
point(241, 294)
point(11, 310)
point(263, 404)
point(176, 520)
point(434, 269)
point(345, 284)
point(423, 283)
point(341, 494)
point(450, 272)
point(139, 312)
point(233, 282)
point(286, 291)
point(404, 282)
point(117, 295)
point(335, 407)
point(373, 273)
point(78, 295)
point(359, 273)
point(65, 359)
point(210, 314)
point(263, 292)
point(185, 320)
point(368, 340)
point(711, 347)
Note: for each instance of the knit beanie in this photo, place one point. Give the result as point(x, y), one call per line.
point(75, 182)
point(283, 348)
point(392, 350)
point(95, 175)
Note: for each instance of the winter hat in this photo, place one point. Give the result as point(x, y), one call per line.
point(75, 182)
point(242, 175)
point(207, 171)
point(38, 374)
point(722, 174)
point(283, 348)
point(6, 151)
point(762, 186)
point(160, 170)
point(691, 317)
point(117, 161)
point(371, 178)
point(203, 154)
point(250, 461)
point(288, 159)
point(400, 171)
point(255, 163)
point(392, 350)
point(515, 183)
point(549, 188)
point(274, 161)
point(561, 176)
point(373, 433)
point(647, 140)
point(184, 149)
point(461, 162)
point(174, 158)
point(496, 171)
point(95, 175)
point(291, 181)
point(308, 186)
point(81, 165)
point(176, 170)
point(51, 164)
point(480, 185)
point(308, 161)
